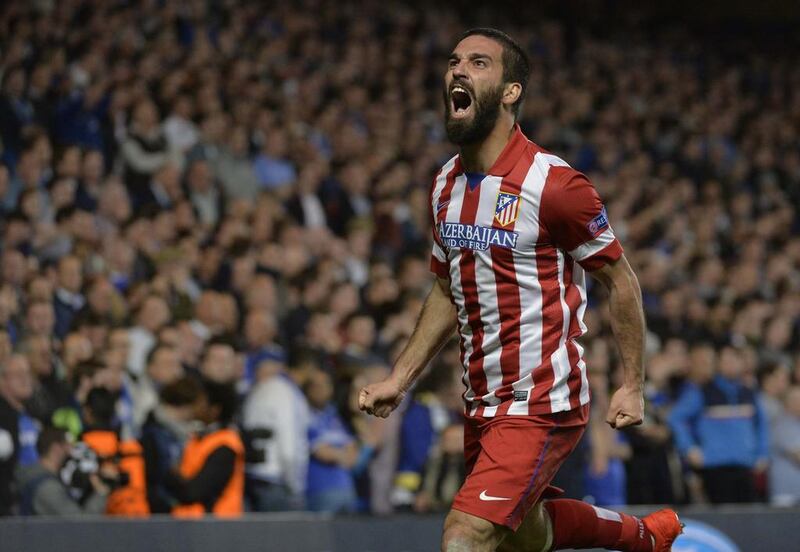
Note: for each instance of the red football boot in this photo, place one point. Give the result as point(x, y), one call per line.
point(665, 527)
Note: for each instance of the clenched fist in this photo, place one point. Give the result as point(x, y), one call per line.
point(380, 399)
point(626, 408)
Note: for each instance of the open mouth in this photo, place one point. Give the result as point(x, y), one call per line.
point(460, 101)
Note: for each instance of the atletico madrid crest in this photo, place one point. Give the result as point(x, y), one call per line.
point(507, 209)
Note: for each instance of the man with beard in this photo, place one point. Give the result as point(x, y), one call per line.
point(515, 229)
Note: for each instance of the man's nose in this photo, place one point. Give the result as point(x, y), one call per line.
point(459, 70)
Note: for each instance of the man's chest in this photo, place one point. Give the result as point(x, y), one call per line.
point(486, 213)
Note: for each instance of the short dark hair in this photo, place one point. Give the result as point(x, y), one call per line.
point(48, 437)
point(102, 403)
point(224, 396)
point(182, 392)
point(516, 64)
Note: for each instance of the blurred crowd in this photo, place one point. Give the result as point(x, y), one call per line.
point(215, 230)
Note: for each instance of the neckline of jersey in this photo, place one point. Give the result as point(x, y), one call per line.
point(508, 157)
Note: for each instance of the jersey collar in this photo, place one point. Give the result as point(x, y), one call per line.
point(508, 157)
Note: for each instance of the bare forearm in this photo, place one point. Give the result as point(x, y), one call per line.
point(435, 325)
point(628, 325)
point(627, 317)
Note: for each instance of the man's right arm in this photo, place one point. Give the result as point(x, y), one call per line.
point(52, 499)
point(434, 326)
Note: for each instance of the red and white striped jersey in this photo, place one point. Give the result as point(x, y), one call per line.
point(514, 244)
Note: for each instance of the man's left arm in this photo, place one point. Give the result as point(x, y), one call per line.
point(578, 223)
point(627, 322)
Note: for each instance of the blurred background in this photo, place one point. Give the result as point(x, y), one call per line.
point(215, 230)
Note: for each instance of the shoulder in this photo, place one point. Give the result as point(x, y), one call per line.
point(543, 158)
point(444, 171)
point(43, 485)
point(229, 437)
point(543, 172)
point(561, 178)
point(447, 167)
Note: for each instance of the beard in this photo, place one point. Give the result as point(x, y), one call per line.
point(475, 129)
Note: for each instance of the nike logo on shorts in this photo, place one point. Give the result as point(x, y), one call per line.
point(488, 498)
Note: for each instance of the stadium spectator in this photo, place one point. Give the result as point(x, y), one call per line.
point(51, 392)
point(15, 388)
point(152, 316)
point(433, 408)
point(378, 442)
point(210, 478)
point(275, 420)
point(271, 166)
point(128, 496)
point(220, 363)
point(260, 333)
point(41, 489)
point(19, 427)
point(784, 475)
point(653, 470)
point(773, 381)
point(334, 451)
point(163, 367)
point(605, 479)
point(721, 430)
point(144, 151)
point(164, 434)
point(68, 299)
point(233, 168)
point(16, 110)
point(444, 472)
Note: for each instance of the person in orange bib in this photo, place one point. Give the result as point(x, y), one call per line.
point(210, 478)
point(129, 495)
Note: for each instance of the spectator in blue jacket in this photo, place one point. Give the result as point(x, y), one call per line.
point(433, 408)
point(334, 451)
point(68, 299)
point(720, 429)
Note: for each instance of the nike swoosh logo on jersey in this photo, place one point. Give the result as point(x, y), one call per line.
point(442, 205)
point(488, 498)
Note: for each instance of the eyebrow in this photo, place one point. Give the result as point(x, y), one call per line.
point(474, 56)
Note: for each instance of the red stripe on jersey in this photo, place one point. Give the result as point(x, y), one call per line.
point(469, 287)
point(442, 270)
point(552, 326)
point(447, 191)
point(430, 202)
point(507, 286)
point(573, 299)
point(574, 381)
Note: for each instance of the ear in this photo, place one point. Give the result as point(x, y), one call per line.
point(511, 93)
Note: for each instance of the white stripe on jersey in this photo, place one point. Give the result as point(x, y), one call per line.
point(579, 280)
point(586, 250)
point(559, 394)
point(441, 182)
point(584, 396)
point(551, 160)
